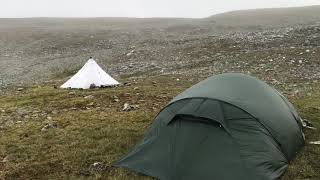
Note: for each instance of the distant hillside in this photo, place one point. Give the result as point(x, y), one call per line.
point(278, 17)
point(38, 49)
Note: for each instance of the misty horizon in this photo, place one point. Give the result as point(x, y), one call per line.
point(135, 9)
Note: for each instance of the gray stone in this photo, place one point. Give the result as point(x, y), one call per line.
point(315, 142)
point(126, 107)
point(50, 125)
point(98, 167)
point(22, 112)
point(72, 93)
point(89, 97)
point(5, 159)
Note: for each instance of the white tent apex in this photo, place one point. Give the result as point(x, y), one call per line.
point(91, 61)
point(90, 75)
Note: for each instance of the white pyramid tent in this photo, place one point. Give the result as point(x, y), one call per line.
point(90, 74)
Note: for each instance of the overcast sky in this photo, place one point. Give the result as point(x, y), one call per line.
point(135, 8)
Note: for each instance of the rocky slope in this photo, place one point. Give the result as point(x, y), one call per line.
point(41, 49)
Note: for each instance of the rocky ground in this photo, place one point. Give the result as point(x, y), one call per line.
point(37, 50)
point(280, 56)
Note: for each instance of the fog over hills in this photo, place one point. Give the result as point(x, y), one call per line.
point(278, 17)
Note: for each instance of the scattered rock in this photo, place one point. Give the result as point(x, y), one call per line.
point(127, 84)
point(306, 42)
point(128, 107)
point(130, 53)
point(115, 98)
point(5, 159)
point(154, 83)
point(50, 125)
point(98, 167)
point(20, 89)
point(89, 97)
point(72, 93)
point(136, 88)
point(54, 112)
point(163, 97)
point(315, 142)
point(22, 112)
point(268, 70)
point(135, 106)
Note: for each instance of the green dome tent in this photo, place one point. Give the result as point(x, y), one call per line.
point(227, 127)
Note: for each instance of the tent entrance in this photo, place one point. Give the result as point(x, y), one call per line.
point(194, 119)
point(201, 149)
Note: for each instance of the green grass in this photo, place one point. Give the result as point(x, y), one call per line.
point(97, 130)
point(86, 133)
point(306, 165)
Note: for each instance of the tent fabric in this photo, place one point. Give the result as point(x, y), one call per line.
point(90, 74)
point(258, 99)
point(230, 126)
